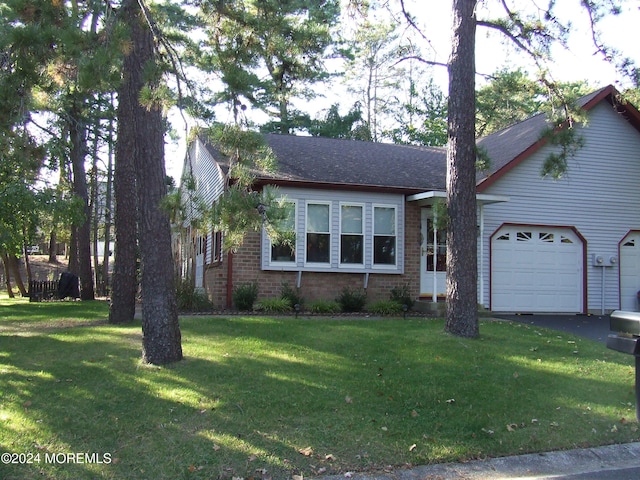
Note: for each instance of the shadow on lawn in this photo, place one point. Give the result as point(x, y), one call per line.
point(92, 396)
point(249, 396)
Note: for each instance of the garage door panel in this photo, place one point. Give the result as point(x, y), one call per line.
point(630, 271)
point(536, 270)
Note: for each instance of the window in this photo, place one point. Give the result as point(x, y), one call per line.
point(440, 248)
point(351, 234)
point(216, 247)
point(318, 233)
point(340, 232)
point(384, 235)
point(285, 250)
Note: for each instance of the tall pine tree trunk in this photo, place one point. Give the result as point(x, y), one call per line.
point(462, 274)
point(77, 134)
point(161, 338)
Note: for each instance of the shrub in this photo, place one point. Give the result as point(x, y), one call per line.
point(245, 295)
point(274, 305)
point(292, 294)
point(324, 306)
point(351, 301)
point(191, 300)
point(385, 307)
point(402, 295)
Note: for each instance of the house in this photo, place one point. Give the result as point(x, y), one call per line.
point(365, 217)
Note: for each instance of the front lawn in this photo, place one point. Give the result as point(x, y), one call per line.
point(269, 397)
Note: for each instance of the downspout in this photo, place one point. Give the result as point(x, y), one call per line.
point(481, 279)
point(230, 279)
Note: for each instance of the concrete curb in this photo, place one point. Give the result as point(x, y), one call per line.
point(529, 467)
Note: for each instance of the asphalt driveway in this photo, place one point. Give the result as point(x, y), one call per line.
point(594, 327)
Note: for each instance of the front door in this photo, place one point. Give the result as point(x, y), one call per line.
point(433, 256)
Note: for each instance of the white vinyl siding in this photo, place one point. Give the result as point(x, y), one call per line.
point(335, 202)
point(598, 196)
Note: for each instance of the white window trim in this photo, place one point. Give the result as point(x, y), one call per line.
point(384, 266)
point(328, 264)
point(363, 234)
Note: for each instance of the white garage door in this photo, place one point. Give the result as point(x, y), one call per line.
point(629, 271)
point(536, 269)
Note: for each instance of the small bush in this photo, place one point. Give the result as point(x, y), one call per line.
point(191, 300)
point(274, 305)
point(292, 294)
point(351, 301)
point(245, 295)
point(324, 306)
point(402, 295)
point(385, 307)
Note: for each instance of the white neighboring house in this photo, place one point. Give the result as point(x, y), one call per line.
point(570, 245)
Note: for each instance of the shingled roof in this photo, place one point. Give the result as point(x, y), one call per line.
point(352, 164)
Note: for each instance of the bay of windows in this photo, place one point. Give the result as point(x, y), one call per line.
point(336, 235)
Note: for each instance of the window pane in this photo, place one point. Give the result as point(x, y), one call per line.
point(283, 253)
point(351, 219)
point(384, 221)
point(318, 218)
point(351, 249)
point(285, 250)
point(318, 247)
point(384, 250)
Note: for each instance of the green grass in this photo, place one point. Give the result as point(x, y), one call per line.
point(268, 397)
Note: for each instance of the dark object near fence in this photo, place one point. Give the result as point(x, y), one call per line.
point(67, 286)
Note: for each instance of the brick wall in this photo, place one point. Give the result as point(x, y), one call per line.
point(315, 285)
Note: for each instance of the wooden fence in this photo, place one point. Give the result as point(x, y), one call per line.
point(42, 290)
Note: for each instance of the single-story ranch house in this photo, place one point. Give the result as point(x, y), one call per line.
point(364, 219)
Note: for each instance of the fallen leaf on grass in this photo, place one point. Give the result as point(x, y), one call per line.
point(451, 400)
point(348, 399)
point(307, 452)
point(413, 447)
point(512, 427)
point(330, 457)
point(414, 414)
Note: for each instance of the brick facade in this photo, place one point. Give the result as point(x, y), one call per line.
point(315, 285)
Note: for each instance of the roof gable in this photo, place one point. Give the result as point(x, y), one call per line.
point(509, 147)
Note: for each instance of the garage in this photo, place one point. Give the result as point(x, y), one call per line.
point(536, 269)
point(629, 271)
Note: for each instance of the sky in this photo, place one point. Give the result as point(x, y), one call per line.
point(577, 63)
